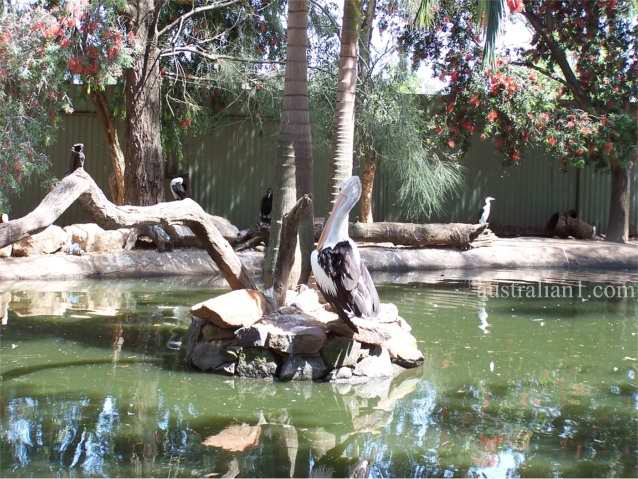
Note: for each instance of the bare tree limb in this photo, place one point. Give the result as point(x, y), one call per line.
point(559, 56)
point(169, 52)
point(195, 11)
point(287, 247)
point(80, 185)
point(545, 72)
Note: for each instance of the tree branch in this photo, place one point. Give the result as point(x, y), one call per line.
point(195, 11)
point(558, 54)
point(80, 185)
point(544, 71)
point(169, 52)
point(287, 247)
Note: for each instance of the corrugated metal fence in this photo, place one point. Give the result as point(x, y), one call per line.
point(232, 166)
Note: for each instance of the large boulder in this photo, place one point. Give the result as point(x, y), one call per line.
point(294, 333)
point(376, 365)
point(302, 368)
point(256, 363)
point(93, 239)
point(210, 332)
point(340, 351)
point(210, 356)
point(242, 307)
point(48, 241)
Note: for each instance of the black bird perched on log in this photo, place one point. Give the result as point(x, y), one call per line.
point(177, 188)
point(485, 211)
point(341, 275)
point(77, 158)
point(266, 207)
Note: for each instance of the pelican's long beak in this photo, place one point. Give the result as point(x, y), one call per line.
point(348, 197)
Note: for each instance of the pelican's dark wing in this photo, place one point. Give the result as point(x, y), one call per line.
point(349, 287)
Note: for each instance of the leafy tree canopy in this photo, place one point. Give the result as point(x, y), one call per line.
point(572, 90)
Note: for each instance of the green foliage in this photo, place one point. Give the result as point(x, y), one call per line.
point(31, 94)
point(42, 52)
point(526, 98)
point(392, 126)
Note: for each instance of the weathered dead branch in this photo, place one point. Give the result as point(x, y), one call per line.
point(80, 185)
point(287, 246)
point(457, 235)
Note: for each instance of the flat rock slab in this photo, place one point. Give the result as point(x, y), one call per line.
point(239, 308)
point(48, 241)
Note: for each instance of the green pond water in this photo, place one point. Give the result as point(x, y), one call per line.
point(93, 384)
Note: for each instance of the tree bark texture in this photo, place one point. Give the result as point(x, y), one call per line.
point(369, 169)
point(80, 185)
point(287, 247)
point(116, 181)
point(144, 156)
point(295, 146)
point(341, 165)
point(297, 104)
point(619, 204)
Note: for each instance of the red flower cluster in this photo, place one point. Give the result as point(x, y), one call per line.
point(500, 82)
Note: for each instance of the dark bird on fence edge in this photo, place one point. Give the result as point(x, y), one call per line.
point(341, 274)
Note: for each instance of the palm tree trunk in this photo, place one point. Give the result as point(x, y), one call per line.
point(116, 181)
point(295, 148)
point(618, 228)
point(341, 165)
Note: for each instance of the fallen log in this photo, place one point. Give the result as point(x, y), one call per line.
point(80, 185)
point(458, 235)
point(287, 247)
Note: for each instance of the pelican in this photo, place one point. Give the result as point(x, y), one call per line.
point(177, 188)
point(485, 211)
point(341, 275)
point(266, 207)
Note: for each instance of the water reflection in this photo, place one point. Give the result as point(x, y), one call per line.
point(103, 395)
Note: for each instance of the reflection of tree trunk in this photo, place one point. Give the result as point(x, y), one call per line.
point(618, 228)
point(116, 181)
point(341, 164)
point(367, 185)
point(118, 341)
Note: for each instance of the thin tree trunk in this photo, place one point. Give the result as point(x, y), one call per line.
point(144, 157)
point(116, 181)
point(296, 97)
point(367, 160)
point(341, 165)
point(367, 186)
point(618, 228)
point(294, 143)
